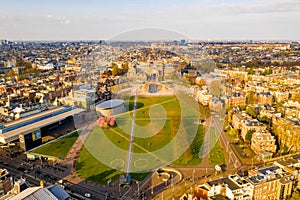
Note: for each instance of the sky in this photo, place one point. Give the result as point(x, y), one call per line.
point(194, 19)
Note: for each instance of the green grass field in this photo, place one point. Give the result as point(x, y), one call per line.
point(216, 155)
point(58, 148)
point(93, 170)
point(101, 142)
point(191, 156)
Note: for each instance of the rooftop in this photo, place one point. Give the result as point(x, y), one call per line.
point(12, 133)
point(232, 185)
point(54, 192)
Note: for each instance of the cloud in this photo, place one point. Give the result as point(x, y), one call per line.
point(199, 19)
point(267, 7)
point(59, 19)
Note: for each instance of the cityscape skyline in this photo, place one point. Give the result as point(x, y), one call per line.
point(135, 99)
point(205, 118)
point(198, 20)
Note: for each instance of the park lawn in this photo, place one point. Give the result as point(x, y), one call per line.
point(139, 176)
point(216, 154)
point(89, 165)
point(169, 103)
point(93, 170)
point(58, 148)
point(160, 139)
point(191, 156)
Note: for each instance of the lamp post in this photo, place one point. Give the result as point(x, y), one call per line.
point(193, 175)
point(152, 189)
point(138, 184)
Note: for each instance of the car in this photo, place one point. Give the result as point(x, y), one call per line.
point(22, 169)
point(142, 196)
point(223, 167)
point(88, 195)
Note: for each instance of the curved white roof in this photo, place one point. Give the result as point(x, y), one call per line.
point(110, 104)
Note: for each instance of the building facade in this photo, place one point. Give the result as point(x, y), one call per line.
point(263, 141)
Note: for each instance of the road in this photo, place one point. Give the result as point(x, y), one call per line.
point(226, 142)
point(74, 190)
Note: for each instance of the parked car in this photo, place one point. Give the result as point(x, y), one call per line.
point(88, 195)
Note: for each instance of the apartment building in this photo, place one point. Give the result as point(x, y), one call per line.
point(236, 99)
point(232, 187)
point(251, 124)
point(272, 182)
point(263, 141)
point(264, 98)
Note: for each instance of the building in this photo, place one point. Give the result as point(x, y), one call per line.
point(264, 98)
point(238, 118)
point(285, 187)
point(201, 191)
point(277, 181)
point(232, 187)
point(110, 107)
point(20, 184)
point(272, 182)
point(216, 105)
point(236, 99)
point(269, 113)
point(287, 132)
point(188, 197)
point(84, 98)
point(30, 130)
point(263, 141)
point(251, 124)
point(264, 189)
point(203, 97)
point(281, 96)
point(5, 182)
point(53, 192)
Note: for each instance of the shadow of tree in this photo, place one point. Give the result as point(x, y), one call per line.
point(104, 176)
point(138, 105)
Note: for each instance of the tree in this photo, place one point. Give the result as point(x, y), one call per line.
point(295, 196)
point(264, 119)
point(215, 88)
point(251, 97)
point(287, 134)
point(251, 71)
point(296, 97)
point(115, 69)
point(125, 67)
point(233, 132)
point(250, 111)
point(10, 73)
point(204, 111)
point(249, 135)
point(242, 107)
point(35, 99)
point(268, 72)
